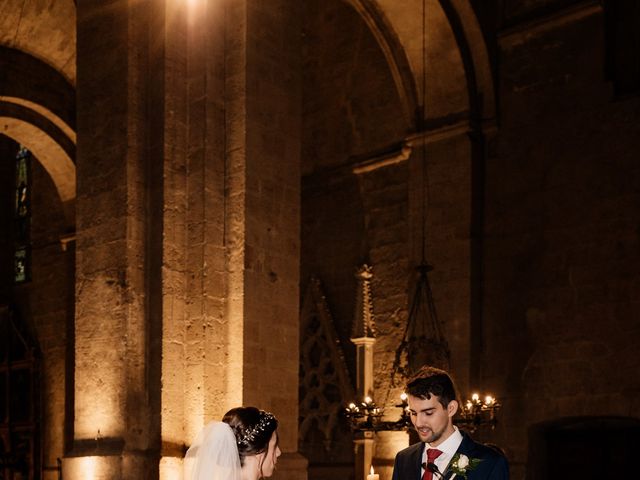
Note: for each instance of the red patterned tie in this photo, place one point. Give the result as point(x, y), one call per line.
point(432, 454)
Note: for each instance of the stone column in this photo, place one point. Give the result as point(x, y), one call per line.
point(188, 228)
point(113, 390)
point(263, 91)
point(363, 337)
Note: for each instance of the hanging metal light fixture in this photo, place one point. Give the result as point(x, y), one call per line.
point(423, 342)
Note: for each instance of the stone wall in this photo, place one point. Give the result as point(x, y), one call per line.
point(45, 305)
point(188, 233)
point(561, 284)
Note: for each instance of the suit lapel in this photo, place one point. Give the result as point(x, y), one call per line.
point(416, 461)
point(467, 446)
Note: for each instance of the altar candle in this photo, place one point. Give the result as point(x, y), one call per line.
point(373, 476)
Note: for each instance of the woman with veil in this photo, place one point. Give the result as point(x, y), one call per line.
point(243, 446)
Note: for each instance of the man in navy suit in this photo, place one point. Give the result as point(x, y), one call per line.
point(444, 452)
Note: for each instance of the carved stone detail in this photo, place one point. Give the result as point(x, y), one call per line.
point(324, 378)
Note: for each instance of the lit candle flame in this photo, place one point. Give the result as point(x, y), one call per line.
point(488, 400)
point(475, 397)
point(368, 400)
point(371, 471)
point(403, 397)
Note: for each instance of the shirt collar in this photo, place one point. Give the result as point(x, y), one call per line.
point(451, 444)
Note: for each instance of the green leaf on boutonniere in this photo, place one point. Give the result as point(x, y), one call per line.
point(461, 464)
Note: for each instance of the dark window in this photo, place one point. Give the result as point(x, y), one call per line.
point(22, 217)
point(622, 35)
point(19, 445)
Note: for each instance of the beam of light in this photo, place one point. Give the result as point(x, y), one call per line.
point(171, 468)
point(88, 467)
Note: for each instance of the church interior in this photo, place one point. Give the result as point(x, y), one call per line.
point(213, 203)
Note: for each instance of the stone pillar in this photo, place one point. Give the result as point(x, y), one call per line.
point(188, 228)
point(363, 443)
point(263, 91)
point(363, 337)
point(230, 101)
point(113, 393)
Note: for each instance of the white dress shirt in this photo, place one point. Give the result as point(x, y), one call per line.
point(448, 448)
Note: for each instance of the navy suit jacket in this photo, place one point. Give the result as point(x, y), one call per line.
point(492, 467)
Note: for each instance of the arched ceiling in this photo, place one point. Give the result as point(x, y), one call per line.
point(45, 29)
point(459, 75)
point(445, 81)
point(37, 80)
point(364, 68)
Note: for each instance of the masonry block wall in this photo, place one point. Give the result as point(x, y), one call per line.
point(49, 302)
point(229, 151)
point(272, 215)
point(561, 236)
point(535, 245)
point(45, 303)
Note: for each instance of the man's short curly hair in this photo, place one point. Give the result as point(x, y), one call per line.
point(432, 381)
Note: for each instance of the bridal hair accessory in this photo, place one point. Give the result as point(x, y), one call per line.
point(251, 433)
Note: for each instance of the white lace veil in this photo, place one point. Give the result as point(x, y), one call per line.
point(214, 455)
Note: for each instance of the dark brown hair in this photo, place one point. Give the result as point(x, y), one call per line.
point(253, 429)
point(432, 381)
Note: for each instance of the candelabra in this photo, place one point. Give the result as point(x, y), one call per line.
point(366, 416)
point(475, 412)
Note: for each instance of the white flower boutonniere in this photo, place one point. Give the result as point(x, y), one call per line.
point(461, 465)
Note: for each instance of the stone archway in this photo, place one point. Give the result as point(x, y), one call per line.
point(397, 30)
point(37, 109)
point(475, 58)
point(50, 154)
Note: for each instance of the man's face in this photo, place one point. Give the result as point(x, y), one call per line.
point(431, 420)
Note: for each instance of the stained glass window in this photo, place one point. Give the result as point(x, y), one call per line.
point(22, 217)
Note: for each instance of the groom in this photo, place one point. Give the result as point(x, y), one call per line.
point(444, 451)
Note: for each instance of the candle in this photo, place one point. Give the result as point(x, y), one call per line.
point(373, 476)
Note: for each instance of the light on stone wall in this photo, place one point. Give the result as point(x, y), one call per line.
point(92, 467)
point(171, 468)
point(475, 412)
point(88, 467)
point(99, 394)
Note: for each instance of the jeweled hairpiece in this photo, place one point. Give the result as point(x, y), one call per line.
point(251, 434)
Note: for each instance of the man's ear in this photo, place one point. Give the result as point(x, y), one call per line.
point(452, 408)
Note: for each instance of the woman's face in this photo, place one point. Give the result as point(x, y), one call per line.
point(271, 456)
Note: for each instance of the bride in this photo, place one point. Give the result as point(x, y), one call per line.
point(244, 446)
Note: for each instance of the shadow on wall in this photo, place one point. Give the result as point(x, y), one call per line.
point(588, 448)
